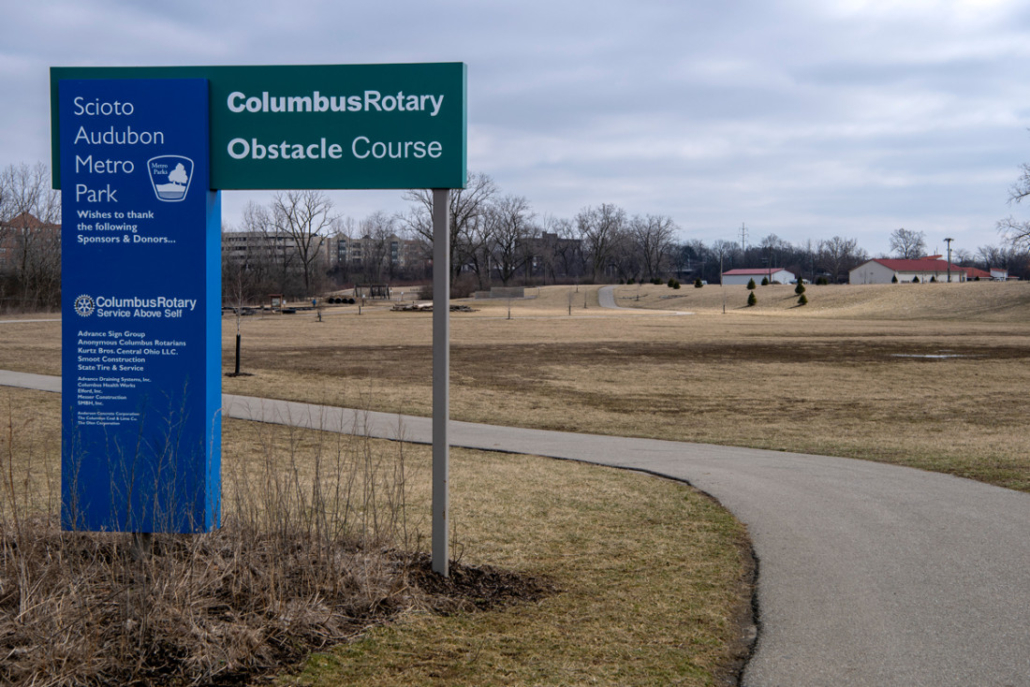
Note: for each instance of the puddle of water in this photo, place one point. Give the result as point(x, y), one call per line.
point(933, 356)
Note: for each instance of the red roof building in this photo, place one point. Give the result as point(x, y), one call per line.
point(887, 270)
point(974, 273)
point(22, 234)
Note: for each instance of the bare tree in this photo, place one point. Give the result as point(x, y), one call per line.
point(568, 249)
point(991, 256)
point(1021, 189)
point(267, 254)
point(692, 257)
point(468, 209)
point(30, 237)
point(6, 208)
point(306, 217)
point(344, 231)
point(510, 227)
point(600, 229)
point(624, 257)
point(652, 240)
point(377, 230)
point(838, 254)
point(908, 244)
point(725, 252)
point(541, 251)
point(964, 257)
point(238, 285)
point(1017, 232)
point(26, 189)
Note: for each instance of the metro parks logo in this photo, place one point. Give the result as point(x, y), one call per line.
point(170, 175)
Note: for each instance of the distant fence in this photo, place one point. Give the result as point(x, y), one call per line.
point(502, 292)
point(372, 291)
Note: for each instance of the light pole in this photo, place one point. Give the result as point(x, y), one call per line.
point(721, 287)
point(948, 241)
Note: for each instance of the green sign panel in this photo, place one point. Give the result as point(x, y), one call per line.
point(304, 127)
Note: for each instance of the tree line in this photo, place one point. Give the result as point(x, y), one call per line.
point(300, 245)
point(497, 238)
point(30, 239)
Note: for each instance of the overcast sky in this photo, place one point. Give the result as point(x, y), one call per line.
point(804, 118)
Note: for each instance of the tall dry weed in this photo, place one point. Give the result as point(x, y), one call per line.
point(312, 550)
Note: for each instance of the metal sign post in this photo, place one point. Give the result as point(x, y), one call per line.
point(441, 376)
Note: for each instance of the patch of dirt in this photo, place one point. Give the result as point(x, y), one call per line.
point(746, 620)
point(476, 588)
point(482, 362)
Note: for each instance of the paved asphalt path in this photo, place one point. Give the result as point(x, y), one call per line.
point(606, 299)
point(870, 574)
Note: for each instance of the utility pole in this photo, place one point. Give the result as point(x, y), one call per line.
point(948, 241)
point(743, 238)
point(721, 287)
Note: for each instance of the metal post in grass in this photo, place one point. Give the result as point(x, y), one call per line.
point(721, 285)
point(441, 376)
point(948, 241)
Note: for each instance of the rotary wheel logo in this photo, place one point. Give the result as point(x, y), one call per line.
point(84, 306)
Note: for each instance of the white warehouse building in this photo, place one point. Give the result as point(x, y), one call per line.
point(884, 271)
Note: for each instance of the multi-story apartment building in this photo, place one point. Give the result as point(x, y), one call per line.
point(252, 246)
point(376, 258)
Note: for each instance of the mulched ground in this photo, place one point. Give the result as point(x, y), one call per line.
point(468, 589)
point(476, 588)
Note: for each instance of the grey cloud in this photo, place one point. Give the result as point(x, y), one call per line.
point(802, 118)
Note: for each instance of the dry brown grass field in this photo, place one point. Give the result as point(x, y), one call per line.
point(927, 375)
point(648, 580)
point(924, 375)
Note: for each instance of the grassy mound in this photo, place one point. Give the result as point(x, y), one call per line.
point(970, 301)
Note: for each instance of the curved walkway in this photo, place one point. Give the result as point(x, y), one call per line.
point(606, 299)
point(871, 574)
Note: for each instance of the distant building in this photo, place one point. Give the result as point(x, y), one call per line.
point(976, 274)
point(256, 247)
point(551, 255)
point(775, 275)
point(30, 263)
point(999, 274)
point(389, 254)
point(24, 237)
point(886, 271)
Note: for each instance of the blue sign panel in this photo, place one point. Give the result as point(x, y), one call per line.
point(141, 318)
